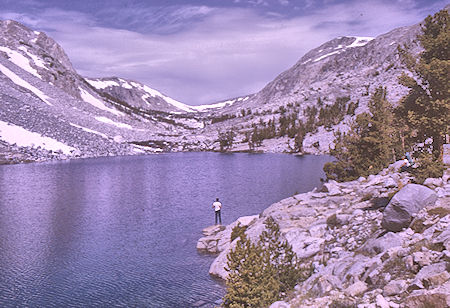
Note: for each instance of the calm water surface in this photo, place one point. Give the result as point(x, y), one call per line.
point(122, 231)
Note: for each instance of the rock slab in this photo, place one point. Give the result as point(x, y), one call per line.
point(405, 204)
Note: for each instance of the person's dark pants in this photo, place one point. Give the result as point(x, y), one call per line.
point(218, 217)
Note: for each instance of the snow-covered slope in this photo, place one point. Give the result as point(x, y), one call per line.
point(47, 107)
point(138, 95)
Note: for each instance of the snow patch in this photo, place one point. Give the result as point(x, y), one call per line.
point(360, 41)
point(215, 106)
point(169, 100)
point(193, 123)
point(145, 97)
point(89, 130)
point(38, 61)
point(327, 55)
point(88, 98)
point(20, 82)
point(125, 84)
point(111, 122)
point(14, 134)
point(392, 43)
point(99, 84)
point(20, 60)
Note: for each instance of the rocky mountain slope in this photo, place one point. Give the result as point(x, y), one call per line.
point(49, 111)
point(364, 253)
point(44, 97)
point(346, 67)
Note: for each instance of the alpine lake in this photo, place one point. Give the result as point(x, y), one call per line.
point(122, 231)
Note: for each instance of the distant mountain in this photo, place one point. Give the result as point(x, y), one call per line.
point(48, 107)
point(48, 110)
point(345, 67)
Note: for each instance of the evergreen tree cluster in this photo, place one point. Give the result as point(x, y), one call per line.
point(379, 137)
point(426, 108)
point(333, 114)
point(261, 273)
point(369, 145)
point(226, 140)
point(289, 124)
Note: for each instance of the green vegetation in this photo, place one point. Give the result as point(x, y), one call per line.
point(428, 167)
point(259, 274)
point(376, 138)
point(426, 108)
point(226, 140)
point(370, 144)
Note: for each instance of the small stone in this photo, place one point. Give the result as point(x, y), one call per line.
point(437, 279)
point(422, 258)
point(394, 287)
point(357, 288)
point(390, 183)
point(280, 304)
point(409, 262)
point(382, 302)
point(445, 255)
point(432, 182)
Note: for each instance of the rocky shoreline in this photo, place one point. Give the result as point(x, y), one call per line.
point(374, 242)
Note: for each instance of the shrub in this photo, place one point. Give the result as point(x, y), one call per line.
point(428, 167)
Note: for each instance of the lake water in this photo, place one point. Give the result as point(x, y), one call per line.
point(122, 231)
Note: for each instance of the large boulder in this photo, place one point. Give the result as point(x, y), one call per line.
point(405, 204)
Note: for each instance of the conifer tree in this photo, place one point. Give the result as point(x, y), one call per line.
point(259, 274)
point(426, 108)
point(370, 144)
point(280, 256)
point(250, 282)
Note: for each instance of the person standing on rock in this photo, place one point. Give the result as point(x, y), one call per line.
point(217, 206)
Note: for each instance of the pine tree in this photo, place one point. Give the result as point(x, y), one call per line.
point(250, 282)
point(426, 108)
point(280, 256)
point(370, 144)
point(226, 140)
point(259, 274)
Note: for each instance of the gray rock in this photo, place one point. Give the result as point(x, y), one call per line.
point(394, 287)
point(212, 230)
point(433, 182)
point(406, 203)
point(378, 245)
point(357, 288)
point(439, 297)
point(390, 183)
point(332, 188)
point(280, 304)
point(428, 275)
point(382, 302)
point(444, 239)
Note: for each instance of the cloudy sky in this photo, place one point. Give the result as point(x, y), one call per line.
point(205, 51)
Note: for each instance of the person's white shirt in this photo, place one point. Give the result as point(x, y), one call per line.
point(406, 162)
point(217, 206)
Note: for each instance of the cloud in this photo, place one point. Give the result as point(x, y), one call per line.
point(201, 54)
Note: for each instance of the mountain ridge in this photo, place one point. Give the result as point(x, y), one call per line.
point(128, 117)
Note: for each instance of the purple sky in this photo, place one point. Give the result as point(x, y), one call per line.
point(205, 51)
